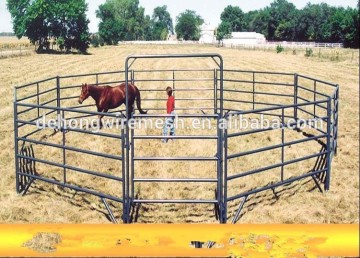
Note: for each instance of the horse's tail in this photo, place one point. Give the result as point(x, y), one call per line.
point(138, 101)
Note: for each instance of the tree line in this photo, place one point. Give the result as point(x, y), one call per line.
point(282, 21)
point(122, 20)
point(65, 22)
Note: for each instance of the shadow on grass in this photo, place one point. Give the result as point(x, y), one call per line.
point(57, 52)
point(288, 190)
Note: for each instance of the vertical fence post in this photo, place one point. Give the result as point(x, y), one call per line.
point(295, 96)
point(221, 88)
point(315, 99)
point(124, 216)
point(328, 145)
point(219, 169)
point(225, 172)
point(38, 99)
point(221, 140)
point(127, 143)
point(336, 120)
point(282, 143)
point(97, 79)
point(215, 91)
point(58, 104)
point(16, 146)
point(132, 144)
point(253, 89)
point(63, 128)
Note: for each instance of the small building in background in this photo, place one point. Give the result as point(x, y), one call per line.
point(207, 34)
point(172, 37)
point(245, 38)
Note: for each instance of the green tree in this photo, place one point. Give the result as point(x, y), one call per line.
point(18, 9)
point(161, 23)
point(357, 24)
point(96, 41)
point(249, 18)
point(235, 17)
point(223, 31)
point(41, 20)
point(315, 24)
point(121, 20)
point(136, 29)
point(344, 25)
point(260, 22)
point(111, 30)
point(147, 27)
point(281, 23)
point(188, 25)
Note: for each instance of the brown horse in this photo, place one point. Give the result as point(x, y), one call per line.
point(107, 97)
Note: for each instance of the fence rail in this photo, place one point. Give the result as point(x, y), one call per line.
point(289, 44)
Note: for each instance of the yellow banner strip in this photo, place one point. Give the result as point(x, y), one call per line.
point(179, 240)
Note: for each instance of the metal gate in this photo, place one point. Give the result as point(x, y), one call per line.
point(132, 135)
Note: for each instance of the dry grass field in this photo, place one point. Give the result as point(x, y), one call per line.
point(13, 39)
point(299, 202)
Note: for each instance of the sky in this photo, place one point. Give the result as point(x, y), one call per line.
point(209, 10)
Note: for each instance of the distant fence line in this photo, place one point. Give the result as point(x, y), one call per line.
point(15, 51)
point(266, 44)
point(271, 44)
point(159, 42)
point(12, 50)
point(305, 44)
